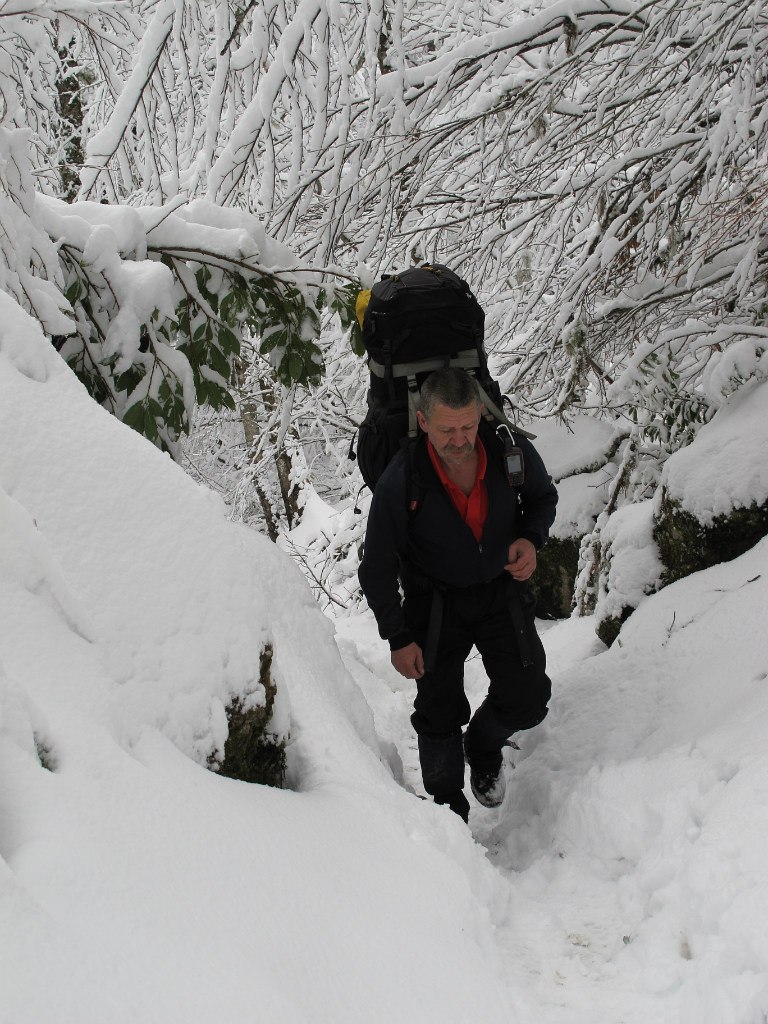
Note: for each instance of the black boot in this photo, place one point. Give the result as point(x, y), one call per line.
point(488, 787)
point(457, 802)
point(442, 769)
point(486, 775)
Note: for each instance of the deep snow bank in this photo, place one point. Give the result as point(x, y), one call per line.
point(637, 820)
point(134, 884)
point(726, 467)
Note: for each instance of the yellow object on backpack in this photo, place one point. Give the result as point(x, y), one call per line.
point(361, 304)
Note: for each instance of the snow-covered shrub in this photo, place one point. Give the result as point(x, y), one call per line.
point(711, 506)
point(615, 223)
point(327, 546)
point(146, 287)
point(30, 270)
point(630, 567)
point(284, 447)
point(161, 299)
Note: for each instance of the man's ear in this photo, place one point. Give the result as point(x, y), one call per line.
point(421, 419)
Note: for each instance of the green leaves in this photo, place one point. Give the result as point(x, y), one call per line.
point(206, 331)
point(75, 291)
point(215, 305)
point(209, 323)
point(146, 417)
point(170, 394)
point(130, 379)
point(228, 342)
point(289, 327)
point(275, 313)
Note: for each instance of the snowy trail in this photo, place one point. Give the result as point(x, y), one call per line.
point(515, 837)
point(629, 837)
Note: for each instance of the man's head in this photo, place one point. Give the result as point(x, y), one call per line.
point(449, 414)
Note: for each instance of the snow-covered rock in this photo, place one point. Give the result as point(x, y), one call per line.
point(713, 502)
point(630, 567)
point(726, 467)
point(579, 457)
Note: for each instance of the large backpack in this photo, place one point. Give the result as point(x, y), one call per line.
point(416, 322)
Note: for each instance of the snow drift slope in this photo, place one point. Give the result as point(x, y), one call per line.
point(134, 884)
point(636, 829)
point(634, 833)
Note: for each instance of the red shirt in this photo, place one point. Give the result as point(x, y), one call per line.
point(472, 507)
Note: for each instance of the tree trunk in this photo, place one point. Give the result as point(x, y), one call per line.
point(252, 429)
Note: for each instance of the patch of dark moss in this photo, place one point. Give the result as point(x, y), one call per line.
point(555, 577)
point(687, 545)
point(608, 629)
point(45, 754)
point(252, 753)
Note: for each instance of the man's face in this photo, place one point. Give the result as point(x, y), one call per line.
point(452, 432)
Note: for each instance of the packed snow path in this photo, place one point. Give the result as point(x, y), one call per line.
point(631, 833)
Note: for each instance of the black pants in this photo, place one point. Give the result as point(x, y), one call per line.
point(517, 696)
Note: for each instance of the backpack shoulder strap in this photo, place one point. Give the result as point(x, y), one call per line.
point(499, 414)
point(414, 484)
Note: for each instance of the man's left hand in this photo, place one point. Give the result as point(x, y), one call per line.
point(522, 559)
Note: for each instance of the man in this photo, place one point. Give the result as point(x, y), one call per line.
point(463, 556)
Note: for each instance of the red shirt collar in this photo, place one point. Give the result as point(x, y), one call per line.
point(472, 507)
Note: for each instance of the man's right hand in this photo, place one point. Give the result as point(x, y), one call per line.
point(409, 661)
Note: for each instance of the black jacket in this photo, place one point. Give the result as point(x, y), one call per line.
point(436, 542)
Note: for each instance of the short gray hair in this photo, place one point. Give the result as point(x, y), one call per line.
point(450, 386)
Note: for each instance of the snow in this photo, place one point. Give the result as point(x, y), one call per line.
point(727, 468)
point(581, 499)
point(497, 42)
point(634, 566)
point(230, 234)
point(105, 143)
point(130, 611)
point(622, 880)
point(576, 455)
point(573, 447)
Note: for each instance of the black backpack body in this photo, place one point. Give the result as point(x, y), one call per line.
point(416, 322)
